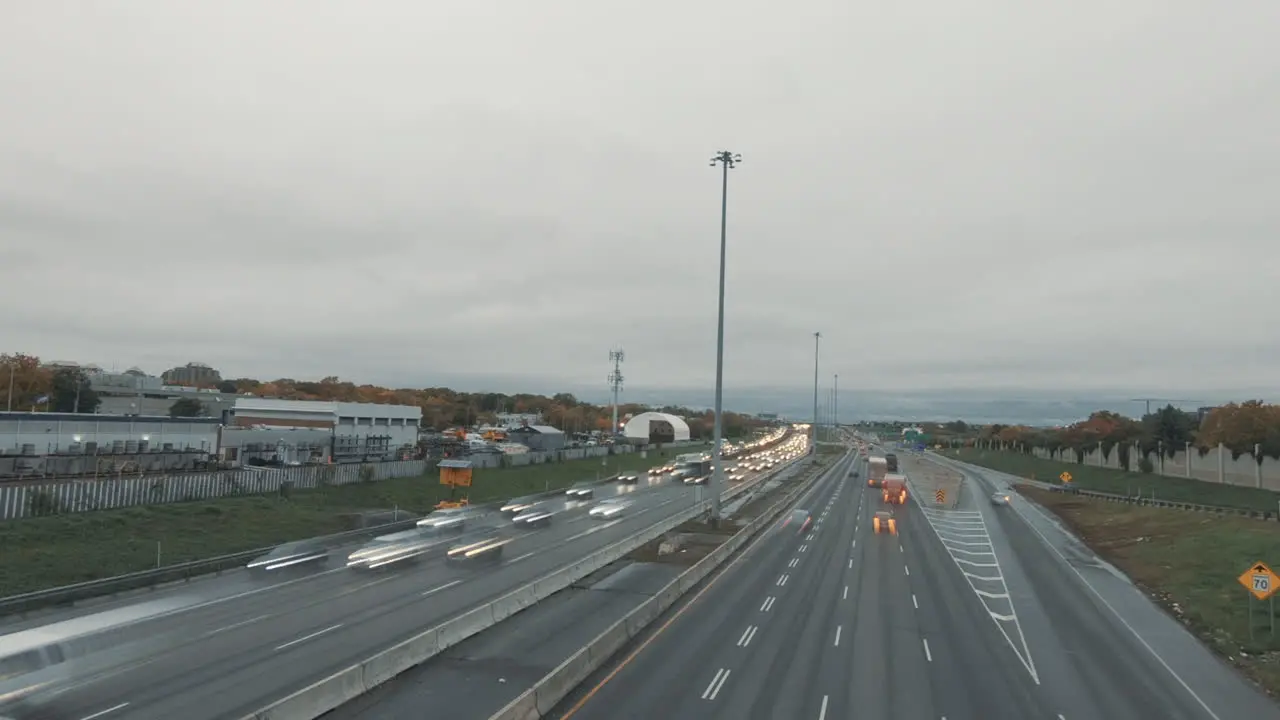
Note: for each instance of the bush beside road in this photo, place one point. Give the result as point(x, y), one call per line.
point(61, 550)
point(1119, 482)
point(1188, 563)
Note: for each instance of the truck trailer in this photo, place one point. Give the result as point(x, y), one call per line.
point(877, 468)
point(894, 488)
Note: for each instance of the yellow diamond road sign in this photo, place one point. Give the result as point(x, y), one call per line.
point(1260, 581)
point(1065, 476)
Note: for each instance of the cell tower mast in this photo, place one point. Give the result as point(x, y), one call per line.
point(615, 383)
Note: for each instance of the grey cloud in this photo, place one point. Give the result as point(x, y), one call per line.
point(993, 195)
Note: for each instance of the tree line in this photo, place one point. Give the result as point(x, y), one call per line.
point(1247, 428)
point(35, 386)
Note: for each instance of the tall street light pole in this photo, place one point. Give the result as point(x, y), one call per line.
point(835, 405)
point(817, 337)
point(727, 160)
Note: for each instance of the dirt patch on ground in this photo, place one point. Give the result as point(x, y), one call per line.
point(928, 477)
point(1188, 563)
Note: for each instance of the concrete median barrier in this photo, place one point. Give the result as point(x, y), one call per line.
point(395, 660)
point(608, 642)
point(547, 693)
point(647, 612)
point(464, 626)
point(562, 680)
point(512, 603)
point(318, 699)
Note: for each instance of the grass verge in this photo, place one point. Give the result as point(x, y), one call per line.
point(1109, 480)
point(65, 549)
point(1187, 562)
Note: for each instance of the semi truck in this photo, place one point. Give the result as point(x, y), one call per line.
point(877, 468)
point(892, 461)
point(894, 488)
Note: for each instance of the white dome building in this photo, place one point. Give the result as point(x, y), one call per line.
point(656, 427)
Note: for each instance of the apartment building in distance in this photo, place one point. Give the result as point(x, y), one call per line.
point(194, 374)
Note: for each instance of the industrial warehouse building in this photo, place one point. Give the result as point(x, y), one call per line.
point(655, 427)
point(253, 431)
point(69, 443)
point(303, 430)
point(538, 437)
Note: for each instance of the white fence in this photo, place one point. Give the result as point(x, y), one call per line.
point(69, 496)
point(20, 500)
point(1216, 466)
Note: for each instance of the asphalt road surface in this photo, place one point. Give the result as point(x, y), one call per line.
point(964, 615)
point(230, 654)
point(479, 676)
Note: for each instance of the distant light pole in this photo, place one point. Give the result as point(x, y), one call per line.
point(727, 160)
point(835, 404)
point(816, 338)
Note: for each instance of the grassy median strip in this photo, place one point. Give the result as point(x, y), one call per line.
point(1110, 480)
point(1188, 562)
point(61, 550)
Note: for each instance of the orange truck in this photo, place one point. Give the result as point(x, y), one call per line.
point(877, 468)
point(894, 487)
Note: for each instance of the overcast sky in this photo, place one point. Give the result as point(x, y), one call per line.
point(988, 193)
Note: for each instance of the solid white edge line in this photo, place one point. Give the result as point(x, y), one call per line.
point(1109, 606)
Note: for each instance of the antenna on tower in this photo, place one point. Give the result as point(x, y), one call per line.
point(615, 383)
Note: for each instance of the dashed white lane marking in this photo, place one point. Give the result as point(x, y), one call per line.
point(822, 714)
point(963, 534)
point(240, 624)
point(783, 580)
point(747, 635)
point(927, 655)
point(915, 602)
point(109, 710)
point(837, 642)
point(717, 682)
point(768, 604)
point(907, 569)
point(794, 562)
point(305, 638)
point(803, 548)
point(445, 586)
point(850, 563)
point(846, 593)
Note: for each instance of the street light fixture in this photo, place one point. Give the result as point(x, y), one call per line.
point(727, 160)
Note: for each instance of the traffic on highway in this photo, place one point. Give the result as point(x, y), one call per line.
point(956, 614)
point(861, 599)
point(227, 646)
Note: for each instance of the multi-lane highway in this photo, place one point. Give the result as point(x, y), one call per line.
point(963, 614)
point(479, 676)
point(233, 647)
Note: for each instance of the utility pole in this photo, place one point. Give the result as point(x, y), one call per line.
point(835, 403)
point(9, 407)
point(615, 382)
point(727, 160)
point(817, 337)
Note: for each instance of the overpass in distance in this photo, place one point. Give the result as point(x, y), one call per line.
point(974, 612)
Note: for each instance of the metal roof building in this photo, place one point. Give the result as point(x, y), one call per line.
point(656, 427)
point(539, 437)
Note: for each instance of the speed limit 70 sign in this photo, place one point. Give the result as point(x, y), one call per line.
point(1260, 581)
